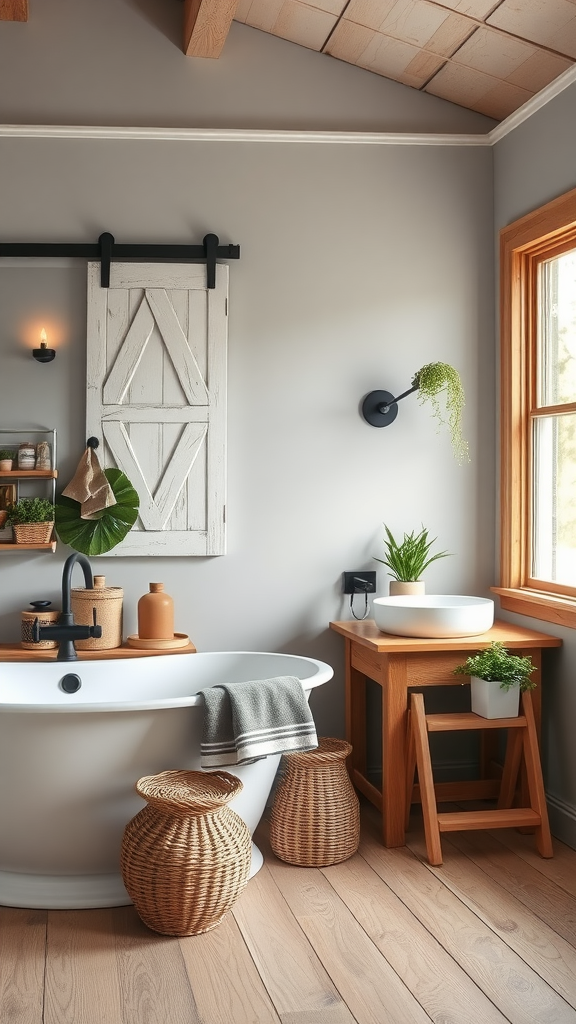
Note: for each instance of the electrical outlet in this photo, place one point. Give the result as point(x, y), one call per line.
point(359, 582)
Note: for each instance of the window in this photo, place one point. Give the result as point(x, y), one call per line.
point(538, 413)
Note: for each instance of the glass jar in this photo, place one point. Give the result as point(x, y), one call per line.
point(26, 455)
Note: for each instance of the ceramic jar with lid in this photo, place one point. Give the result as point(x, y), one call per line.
point(45, 618)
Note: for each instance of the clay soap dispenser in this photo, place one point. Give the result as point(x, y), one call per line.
point(156, 622)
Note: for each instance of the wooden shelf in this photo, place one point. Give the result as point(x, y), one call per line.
point(13, 652)
point(50, 546)
point(29, 474)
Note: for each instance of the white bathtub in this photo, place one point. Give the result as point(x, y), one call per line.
point(69, 762)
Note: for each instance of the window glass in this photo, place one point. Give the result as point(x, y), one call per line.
point(554, 499)
point(556, 373)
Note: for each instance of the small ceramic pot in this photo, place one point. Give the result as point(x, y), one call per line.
point(6, 465)
point(401, 587)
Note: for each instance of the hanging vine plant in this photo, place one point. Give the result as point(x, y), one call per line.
point(110, 525)
point(440, 384)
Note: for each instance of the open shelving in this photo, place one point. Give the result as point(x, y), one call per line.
point(43, 476)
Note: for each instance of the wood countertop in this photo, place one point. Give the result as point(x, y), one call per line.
point(367, 634)
point(14, 652)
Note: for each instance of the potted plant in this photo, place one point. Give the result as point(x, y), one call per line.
point(436, 381)
point(407, 560)
point(497, 678)
point(6, 460)
point(32, 520)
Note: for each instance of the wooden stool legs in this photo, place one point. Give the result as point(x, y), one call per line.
point(522, 741)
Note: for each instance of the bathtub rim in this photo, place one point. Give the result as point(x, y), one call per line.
point(322, 674)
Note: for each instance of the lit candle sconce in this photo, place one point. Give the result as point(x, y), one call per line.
point(43, 354)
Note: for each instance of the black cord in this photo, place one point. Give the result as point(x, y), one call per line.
point(362, 586)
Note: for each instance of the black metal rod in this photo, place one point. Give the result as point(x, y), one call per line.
point(406, 393)
point(107, 250)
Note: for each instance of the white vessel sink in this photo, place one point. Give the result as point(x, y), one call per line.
point(433, 615)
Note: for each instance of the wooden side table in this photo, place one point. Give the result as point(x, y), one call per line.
point(396, 663)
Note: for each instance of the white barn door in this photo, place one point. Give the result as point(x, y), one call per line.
point(156, 399)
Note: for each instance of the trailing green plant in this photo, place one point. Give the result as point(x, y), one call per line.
point(30, 510)
point(495, 663)
point(440, 384)
point(109, 527)
point(407, 559)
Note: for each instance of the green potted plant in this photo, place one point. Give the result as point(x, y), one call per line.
point(32, 520)
point(497, 678)
point(441, 385)
point(6, 460)
point(407, 559)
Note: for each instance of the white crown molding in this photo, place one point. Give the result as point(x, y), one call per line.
point(531, 106)
point(334, 138)
point(23, 131)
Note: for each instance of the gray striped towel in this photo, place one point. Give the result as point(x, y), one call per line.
point(248, 720)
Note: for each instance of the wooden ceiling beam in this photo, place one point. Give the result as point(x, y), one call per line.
point(13, 10)
point(206, 25)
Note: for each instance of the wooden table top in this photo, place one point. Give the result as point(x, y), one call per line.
point(13, 652)
point(367, 634)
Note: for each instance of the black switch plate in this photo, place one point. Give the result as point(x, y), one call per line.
point(360, 582)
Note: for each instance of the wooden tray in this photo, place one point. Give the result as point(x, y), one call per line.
point(178, 640)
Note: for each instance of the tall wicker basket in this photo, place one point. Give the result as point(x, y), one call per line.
point(315, 816)
point(185, 857)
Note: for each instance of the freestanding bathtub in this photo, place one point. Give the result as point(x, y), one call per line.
point(69, 762)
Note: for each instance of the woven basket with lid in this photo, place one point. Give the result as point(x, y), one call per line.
point(315, 817)
point(186, 856)
point(108, 602)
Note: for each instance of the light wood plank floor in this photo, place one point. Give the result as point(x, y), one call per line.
point(383, 938)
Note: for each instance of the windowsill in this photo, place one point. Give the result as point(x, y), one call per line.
point(538, 605)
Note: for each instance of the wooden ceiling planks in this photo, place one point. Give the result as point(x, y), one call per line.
point(13, 10)
point(206, 26)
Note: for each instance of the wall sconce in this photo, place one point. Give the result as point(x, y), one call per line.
point(380, 408)
point(43, 354)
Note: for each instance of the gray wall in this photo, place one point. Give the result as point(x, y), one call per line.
point(358, 265)
point(532, 165)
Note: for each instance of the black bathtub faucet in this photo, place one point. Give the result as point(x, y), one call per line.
point(66, 630)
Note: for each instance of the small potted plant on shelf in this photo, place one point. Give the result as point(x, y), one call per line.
point(6, 460)
point(496, 680)
point(407, 560)
point(32, 520)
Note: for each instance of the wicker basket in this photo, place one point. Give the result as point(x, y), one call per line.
point(108, 602)
point(33, 533)
point(185, 857)
point(315, 816)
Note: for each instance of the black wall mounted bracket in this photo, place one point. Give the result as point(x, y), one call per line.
point(107, 250)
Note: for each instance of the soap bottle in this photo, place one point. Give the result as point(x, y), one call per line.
point(156, 614)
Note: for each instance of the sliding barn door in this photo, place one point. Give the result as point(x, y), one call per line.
point(157, 399)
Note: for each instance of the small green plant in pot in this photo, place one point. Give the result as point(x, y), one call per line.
point(32, 520)
point(6, 459)
point(497, 678)
point(408, 559)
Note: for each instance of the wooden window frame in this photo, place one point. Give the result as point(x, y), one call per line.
point(545, 232)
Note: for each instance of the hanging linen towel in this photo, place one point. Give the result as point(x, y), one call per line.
point(245, 721)
point(89, 486)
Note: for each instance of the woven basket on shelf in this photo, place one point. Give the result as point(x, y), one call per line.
point(107, 601)
point(315, 816)
point(185, 857)
point(33, 533)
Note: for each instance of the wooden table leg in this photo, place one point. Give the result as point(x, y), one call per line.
point(355, 690)
point(394, 716)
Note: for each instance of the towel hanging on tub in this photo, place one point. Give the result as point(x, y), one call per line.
point(89, 486)
point(248, 720)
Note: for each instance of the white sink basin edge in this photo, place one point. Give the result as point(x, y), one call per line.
point(433, 616)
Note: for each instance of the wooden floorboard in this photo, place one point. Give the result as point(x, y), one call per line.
point(383, 938)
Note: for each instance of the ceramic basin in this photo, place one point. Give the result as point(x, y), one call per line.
point(433, 615)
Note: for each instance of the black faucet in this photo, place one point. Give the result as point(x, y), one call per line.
point(66, 630)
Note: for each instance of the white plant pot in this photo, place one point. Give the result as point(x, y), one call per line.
point(397, 588)
point(490, 701)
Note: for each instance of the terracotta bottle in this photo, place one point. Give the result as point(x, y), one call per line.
point(156, 614)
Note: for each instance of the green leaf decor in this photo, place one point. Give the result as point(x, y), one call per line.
point(99, 535)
